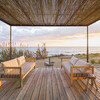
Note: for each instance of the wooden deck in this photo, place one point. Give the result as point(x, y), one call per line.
point(49, 84)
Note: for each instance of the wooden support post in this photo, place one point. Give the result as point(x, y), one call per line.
point(87, 45)
point(10, 42)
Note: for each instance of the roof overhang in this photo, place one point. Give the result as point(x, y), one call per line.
point(49, 12)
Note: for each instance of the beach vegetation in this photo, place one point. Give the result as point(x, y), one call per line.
point(92, 61)
point(98, 61)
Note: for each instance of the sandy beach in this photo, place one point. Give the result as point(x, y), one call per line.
point(57, 62)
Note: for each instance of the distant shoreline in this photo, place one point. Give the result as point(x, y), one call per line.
point(52, 51)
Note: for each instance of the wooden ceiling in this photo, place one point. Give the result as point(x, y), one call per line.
point(49, 12)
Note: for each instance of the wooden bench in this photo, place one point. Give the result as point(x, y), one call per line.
point(16, 69)
point(76, 68)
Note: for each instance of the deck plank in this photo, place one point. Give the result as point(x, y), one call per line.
point(32, 86)
point(89, 93)
point(74, 90)
point(6, 89)
point(92, 89)
point(26, 86)
point(49, 93)
point(42, 94)
point(17, 91)
point(56, 94)
point(36, 92)
point(49, 84)
point(66, 86)
point(60, 87)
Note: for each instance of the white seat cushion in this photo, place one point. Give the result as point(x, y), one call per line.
point(67, 66)
point(21, 60)
point(82, 63)
point(73, 60)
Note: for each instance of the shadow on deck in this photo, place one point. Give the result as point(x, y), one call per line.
point(49, 84)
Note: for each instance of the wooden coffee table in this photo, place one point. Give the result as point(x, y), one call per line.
point(49, 63)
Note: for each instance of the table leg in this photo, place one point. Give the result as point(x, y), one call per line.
point(95, 85)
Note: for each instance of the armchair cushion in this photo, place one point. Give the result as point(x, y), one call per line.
point(73, 60)
point(83, 63)
point(10, 63)
point(21, 60)
point(67, 66)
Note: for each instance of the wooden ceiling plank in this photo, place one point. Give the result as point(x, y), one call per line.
point(76, 11)
point(23, 12)
point(41, 11)
point(89, 15)
point(10, 15)
point(58, 11)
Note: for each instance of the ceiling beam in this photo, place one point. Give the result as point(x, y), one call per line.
point(4, 21)
point(3, 10)
point(51, 25)
point(76, 11)
point(23, 11)
point(57, 14)
point(94, 21)
point(41, 11)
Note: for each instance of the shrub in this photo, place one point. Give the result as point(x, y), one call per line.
point(92, 61)
point(99, 61)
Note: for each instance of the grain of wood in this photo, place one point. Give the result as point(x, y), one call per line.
point(49, 12)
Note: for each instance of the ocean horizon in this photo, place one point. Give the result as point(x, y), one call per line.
point(63, 50)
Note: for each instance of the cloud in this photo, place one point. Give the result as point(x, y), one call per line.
point(47, 34)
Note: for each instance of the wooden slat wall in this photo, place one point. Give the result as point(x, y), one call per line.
point(49, 12)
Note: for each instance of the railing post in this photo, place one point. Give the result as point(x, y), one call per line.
point(10, 42)
point(87, 45)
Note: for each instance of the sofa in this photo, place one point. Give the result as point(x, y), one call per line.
point(16, 69)
point(76, 68)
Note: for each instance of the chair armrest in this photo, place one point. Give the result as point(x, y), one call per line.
point(19, 68)
point(81, 67)
point(92, 67)
point(34, 59)
point(10, 67)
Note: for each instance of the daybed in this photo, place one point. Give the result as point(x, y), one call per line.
point(76, 68)
point(16, 69)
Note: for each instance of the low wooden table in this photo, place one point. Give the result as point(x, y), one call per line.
point(92, 77)
point(49, 63)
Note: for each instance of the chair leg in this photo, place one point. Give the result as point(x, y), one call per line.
point(71, 82)
point(87, 84)
point(0, 83)
point(95, 85)
point(34, 67)
point(92, 81)
point(21, 83)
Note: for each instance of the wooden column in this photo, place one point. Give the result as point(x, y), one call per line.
point(87, 45)
point(10, 42)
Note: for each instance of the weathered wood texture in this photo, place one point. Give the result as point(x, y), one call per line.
point(49, 12)
point(49, 84)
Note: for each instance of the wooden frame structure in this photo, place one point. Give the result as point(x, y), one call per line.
point(21, 76)
point(79, 77)
point(49, 13)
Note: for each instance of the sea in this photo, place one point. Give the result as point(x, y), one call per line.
point(64, 50)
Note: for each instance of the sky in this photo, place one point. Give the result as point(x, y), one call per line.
point(52, 36)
